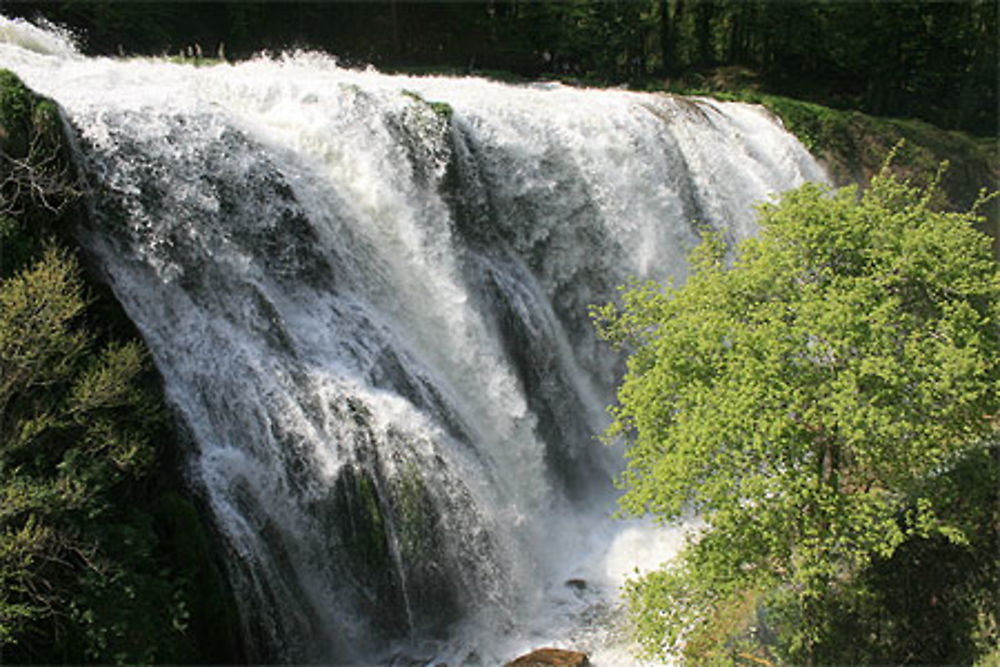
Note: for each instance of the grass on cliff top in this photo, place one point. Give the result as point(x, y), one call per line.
point(854, 144)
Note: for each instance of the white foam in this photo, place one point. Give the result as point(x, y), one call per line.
point(286, 238)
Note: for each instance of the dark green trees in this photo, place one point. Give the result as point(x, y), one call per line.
point(932, 60)
point(827, 401)
point(101, 560)
point(76, 562)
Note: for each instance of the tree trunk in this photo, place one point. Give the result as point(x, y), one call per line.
point(703, 33)
point(396, 45)
point(669, 32)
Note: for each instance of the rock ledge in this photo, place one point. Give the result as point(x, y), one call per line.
point(551, 657)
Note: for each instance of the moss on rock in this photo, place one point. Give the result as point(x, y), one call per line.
point(16, 103)
point(442, 110)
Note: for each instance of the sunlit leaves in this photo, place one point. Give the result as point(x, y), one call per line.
point(804, 396)
point(74, 425)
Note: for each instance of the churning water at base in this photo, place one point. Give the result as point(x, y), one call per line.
point(368, 295)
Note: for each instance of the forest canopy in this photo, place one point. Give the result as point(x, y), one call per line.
point(932, 60)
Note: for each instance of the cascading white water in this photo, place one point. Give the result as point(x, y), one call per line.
point(370, 313)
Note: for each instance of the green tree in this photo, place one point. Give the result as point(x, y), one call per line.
point(100, 561)
point(807, 398)
point(76, 426)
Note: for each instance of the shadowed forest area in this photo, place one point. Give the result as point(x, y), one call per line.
point(936, 61)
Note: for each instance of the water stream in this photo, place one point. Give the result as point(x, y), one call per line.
point(367, 296)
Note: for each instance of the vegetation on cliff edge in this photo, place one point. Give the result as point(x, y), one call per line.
point(101, 560)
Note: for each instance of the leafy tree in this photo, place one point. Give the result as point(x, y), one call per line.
point(75, 433)
point(808, 398)
point(97, 557)
point(77, 564)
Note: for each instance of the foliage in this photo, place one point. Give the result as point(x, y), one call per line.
point(86, 569)
point(853, 146)
point(932, 601)
point(75, 434)
point(936, 60)
point(37, 184)
point(809, 398)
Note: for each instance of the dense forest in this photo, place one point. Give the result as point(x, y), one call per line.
point(931, 60)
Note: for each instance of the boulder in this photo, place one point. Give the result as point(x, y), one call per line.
point(547, 657)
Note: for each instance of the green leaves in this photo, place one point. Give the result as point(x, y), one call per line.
point(812, 389)
point(76, 429)
point(37, 344)
point(83, 573)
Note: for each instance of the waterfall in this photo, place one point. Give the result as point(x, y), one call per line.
point(367, 296)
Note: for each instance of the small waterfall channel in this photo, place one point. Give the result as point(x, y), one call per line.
point(368, 298)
